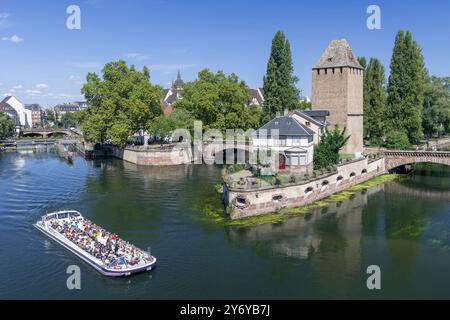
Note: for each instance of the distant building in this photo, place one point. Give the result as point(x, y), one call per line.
point(175, 93)
point(337, 85)
point(316, 120)
point(37, 115)
point(17, 111)
point(292, 141)
point(62, 109)
point(256, 96)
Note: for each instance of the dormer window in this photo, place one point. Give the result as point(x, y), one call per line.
point(308, 124)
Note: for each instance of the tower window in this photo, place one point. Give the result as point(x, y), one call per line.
point(318, 71)
point(341, 69)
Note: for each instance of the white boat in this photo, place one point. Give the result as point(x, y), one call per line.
point(117, 257)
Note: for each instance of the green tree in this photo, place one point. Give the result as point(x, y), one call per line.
point(375, 102)
point(164, 125)
point(7, 126)
point(436, 118)
point(397, 140)
point(219, 101)
point(50, 116)
point(280, 89)
point(122, 102)
point(406, 87)
point(72, 119)
point(327, 152)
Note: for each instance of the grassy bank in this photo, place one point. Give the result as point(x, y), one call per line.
point(214, 214)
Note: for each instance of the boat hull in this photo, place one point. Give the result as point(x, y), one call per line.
point(86, 258)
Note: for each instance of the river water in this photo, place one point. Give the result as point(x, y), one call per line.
point(403, 227)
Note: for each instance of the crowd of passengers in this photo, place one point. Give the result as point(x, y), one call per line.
point(98, 242)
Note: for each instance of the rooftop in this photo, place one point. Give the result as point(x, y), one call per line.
point(286, 126)
point(338, 54)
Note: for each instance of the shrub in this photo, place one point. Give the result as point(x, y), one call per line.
point(397, 140)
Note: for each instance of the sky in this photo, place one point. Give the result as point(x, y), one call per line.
point(42, 61)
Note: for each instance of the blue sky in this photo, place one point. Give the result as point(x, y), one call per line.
point(42, 61)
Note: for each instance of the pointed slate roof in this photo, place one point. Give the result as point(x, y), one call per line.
point(338, 54)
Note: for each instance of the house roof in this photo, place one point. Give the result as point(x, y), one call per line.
point(286, 126)
point(257, 94)
point(4, 101)
point(312, 115)
point(338, 54)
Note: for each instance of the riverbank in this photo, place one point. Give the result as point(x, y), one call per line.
point(216, 215)
point(248, 198)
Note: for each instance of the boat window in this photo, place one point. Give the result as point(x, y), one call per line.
point(62, 216)
point(278, 198)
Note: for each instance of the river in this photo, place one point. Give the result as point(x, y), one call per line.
point(403, 227)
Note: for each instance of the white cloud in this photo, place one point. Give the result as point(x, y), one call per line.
point(42, 86)
point(33, 92)
point(76, 79)
point(4, 19)
point(136, 56)
point(14, 39)
point(18, 87)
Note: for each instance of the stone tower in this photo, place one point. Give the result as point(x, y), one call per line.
point(337, 85)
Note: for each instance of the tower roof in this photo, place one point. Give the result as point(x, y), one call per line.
point(179, 83)
point(338, 54)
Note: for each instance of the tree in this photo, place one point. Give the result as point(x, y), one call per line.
point(397, 140)
point(50, 116)
point(72, 119)
point(219, 101)
point(406, 88)
point(436, 117)
point(280, 89)
point(121, 103)
point(375, 102)
point(327, 152)
point(7, 126)
point(164, 125)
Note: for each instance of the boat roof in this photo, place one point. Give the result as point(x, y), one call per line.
point(63, 211)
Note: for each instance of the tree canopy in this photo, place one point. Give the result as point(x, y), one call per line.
point(280, 89)
point(406, 87)
point(327, 152)
point(122, 102)
point(374, 102)
point(436, 117)
point(7, 126)
point(164, 125)
point(219, 101)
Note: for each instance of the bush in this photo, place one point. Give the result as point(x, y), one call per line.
point(397, 140)
point(236, 168)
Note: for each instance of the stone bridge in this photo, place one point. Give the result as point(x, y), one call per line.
point(395, 159)
point(45, 133)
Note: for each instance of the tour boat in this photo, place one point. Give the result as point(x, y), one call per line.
point(116, 265)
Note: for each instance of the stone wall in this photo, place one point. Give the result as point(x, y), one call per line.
point(155, 156)
point(340, 91)
point(247, 203)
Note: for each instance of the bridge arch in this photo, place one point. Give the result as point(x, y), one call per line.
point(396, 159)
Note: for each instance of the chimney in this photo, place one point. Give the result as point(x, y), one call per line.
point(286, 112)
